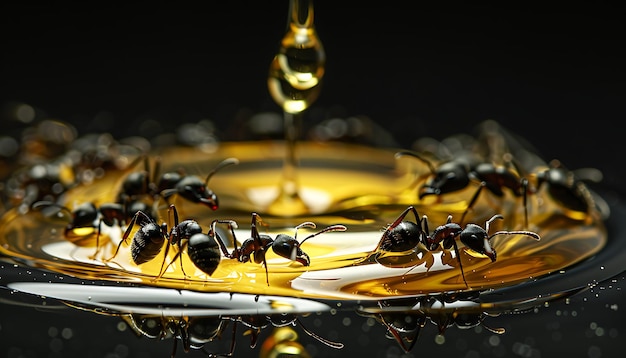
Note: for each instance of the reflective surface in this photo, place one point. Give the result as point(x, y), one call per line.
point(343, 264)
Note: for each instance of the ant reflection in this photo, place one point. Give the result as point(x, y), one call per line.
point(405, 318)
point(194, 332)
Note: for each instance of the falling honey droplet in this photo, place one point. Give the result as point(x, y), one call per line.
point(294, 82)
point(296, 71)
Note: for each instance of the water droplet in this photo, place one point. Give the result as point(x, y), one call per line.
point(440, 339)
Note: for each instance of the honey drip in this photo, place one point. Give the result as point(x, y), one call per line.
point(294, 82)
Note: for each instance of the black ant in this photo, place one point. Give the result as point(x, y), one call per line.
point(257, 245)
point(88, 216)
point(190, 187)
point(404, 235)
point(568, 188)
point(148, 241)
point(41, 182)
point(457, 174)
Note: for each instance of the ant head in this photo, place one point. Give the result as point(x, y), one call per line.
point(477, 239)
point(85, 211)
point(289, 248)
point(195, 190)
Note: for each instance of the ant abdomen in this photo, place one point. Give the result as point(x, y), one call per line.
point(204, 252)
point(147, 243)
point(403, 237)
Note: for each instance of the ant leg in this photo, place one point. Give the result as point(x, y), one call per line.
point(126, 234)
point(170, 209)
point(254, 232)
point(167, 249)
point(327, 342)
point(458, 258)
point(220, 242)
point(174, 346)
point(396, 334)
point(155, 177)
point(525, 200)
point(472, 201)
point(181, 249)
point(178, 255)
point(424, 223)
point(95, 254)
point(232, 345)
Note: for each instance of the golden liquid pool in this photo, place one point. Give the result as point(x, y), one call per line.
point(362, 188)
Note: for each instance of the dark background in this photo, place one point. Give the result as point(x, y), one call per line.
point(554, 75)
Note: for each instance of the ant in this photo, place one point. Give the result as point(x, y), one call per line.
point(40, 182)
point(569, 190)
point(148, 241)
point(404, 235)
point(457, 174)
point(190, 187)
point(257, 245)
point(86, 215)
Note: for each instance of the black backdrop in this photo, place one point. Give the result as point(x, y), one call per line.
point(554, 75)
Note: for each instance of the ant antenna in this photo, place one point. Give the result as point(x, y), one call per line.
point(222, 164)
point(330, 228)
point(304, 224)
point(517, 232)
point(419, 157)
point(483, 184)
